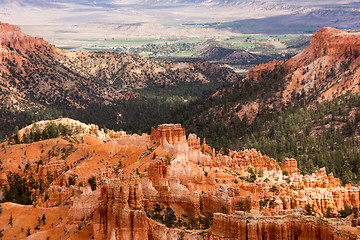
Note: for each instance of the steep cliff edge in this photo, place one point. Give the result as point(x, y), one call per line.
point(326, 69)
point(288, 227)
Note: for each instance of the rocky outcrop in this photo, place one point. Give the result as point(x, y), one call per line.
point(119, 214)
point(289, 227)
point(290, 166)
point(74, 126)
point(158, 170)
point(56, 195)
point(324, 70)
point(171, 133)
point(259, 72)
point(36, 73)
point(253, 158)
point(11, 37)
point(161, 232)
point(193, 141)
point(334, 42)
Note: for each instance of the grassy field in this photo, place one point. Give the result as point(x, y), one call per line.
point(185, 54)
point(246, 42)
point(178, 48)
point(251, 41)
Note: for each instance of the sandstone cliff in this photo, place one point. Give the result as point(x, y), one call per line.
point(324, 70)
point(287, 227)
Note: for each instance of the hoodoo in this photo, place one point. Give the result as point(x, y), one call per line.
point(171, 133)
point(131, 188)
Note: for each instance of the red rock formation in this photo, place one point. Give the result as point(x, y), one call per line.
point(13, 41)
point(290, 227)
point(158, 174)
point(119, 214)
point(12, 37)
point(290, 165)
point(193, 141)
point(129, 182)
point(254, 159)
point(172, 133)
point(257, 73)
point(328, 66)
point(60, 195)
point(158, 170)
point(161, 232)
point(207, 149)
point(329, 42)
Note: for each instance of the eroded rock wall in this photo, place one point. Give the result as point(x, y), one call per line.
point(238, 227)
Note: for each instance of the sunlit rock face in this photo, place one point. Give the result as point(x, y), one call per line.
point(171, 133)
point(326, 69)
point(133, 174)
point(287, 227)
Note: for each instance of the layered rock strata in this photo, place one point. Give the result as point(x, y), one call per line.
point(238, 227)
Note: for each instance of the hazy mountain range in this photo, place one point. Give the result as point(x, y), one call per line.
point(62, 22)
point(125, 11)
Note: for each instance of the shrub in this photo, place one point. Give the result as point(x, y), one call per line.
point(72, 180)
point(92, 182)
point(10, 221)
point(260, 173)
point(46, 197)
point(240, 206)
point(43, 219)
point(252, 176)
point(169, 217)
point(18, 190)
point(205, 222)
point(157, 208)
point(224, 210)
point(345, 212)
point(263, 203)
point(329, 213)
point(309, 210)
point(274, 189)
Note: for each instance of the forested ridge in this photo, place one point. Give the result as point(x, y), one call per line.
point(316, 134)
point(319, 135)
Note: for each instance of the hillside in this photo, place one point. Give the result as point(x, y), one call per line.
point(31, 76)
point(326, 69)
point(35, 73)
point(39, 81)
point(231, 56)
point(84, 182)
point(305, 107)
